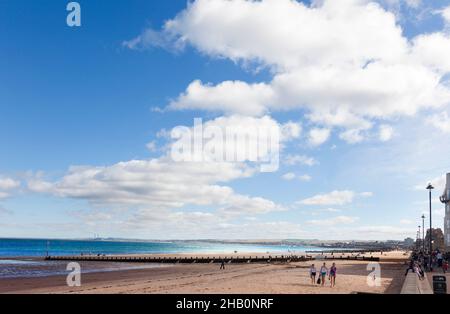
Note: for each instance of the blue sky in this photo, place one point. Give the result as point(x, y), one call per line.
point(86, 96)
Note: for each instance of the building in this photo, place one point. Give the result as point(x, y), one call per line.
point(445, 198)
point(409, 243)
point(437, 238)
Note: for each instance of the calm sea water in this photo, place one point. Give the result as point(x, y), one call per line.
point(21, 258)
point(34, 248)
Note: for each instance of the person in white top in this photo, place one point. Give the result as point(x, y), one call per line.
point(312, 273)
point(323, 273)
point(439, 258)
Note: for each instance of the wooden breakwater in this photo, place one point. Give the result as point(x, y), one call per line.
point(202, 259)
point(180, 260)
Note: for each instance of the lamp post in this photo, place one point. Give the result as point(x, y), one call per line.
point(418, 239)
point(423, 233)
point(429, 188)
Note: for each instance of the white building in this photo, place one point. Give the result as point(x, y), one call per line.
point(445, 198)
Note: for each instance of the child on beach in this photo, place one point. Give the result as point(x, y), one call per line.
point(333, 275)
point(312, 273)
point(323, 273)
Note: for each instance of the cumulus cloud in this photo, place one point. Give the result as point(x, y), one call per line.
point(162, 187)
point(289, 176)
point(440, 121)
point(318, 136)
point(352, 136)
point(385, 133)
point(7, 185)
point(230, 97)
point(446, 14)
point(234, 138)
point(292, 160)
point(151, 146)
point(340, 220)
point(347, 63)
point(305, 178)
point(332, 198)
point(157, 183)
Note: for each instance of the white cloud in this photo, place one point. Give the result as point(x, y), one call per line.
point(305, 178)
point(366, 194)
point(292, 160)
point(440, 121)
point(384, 232)
point(352, 136)
point(385, 133)
point(332, 198)
point(291, 130)
point(340, 220)
point(7, 185)
point(414, 3)
point(396, 4)
point(438, 183)
point(161, 185)
point(151, 146)
point(289, 176)
point(230, 97)
point(157, 184)
point(318, 136)
point(189, 228)
point(406, 222)
point(346, 61)
point(446, 14)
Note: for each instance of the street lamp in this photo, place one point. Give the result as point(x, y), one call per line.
point(429, 188)
point(418, 239)
point(423, 233)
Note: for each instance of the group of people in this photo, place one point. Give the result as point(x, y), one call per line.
point(416, 268)
point(324, 272)
point(421, 262)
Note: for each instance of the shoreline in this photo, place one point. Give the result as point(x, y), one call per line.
point(277, 278)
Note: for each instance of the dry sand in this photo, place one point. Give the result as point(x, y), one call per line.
point(292, 278)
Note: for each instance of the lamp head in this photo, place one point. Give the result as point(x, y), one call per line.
point(430, 187)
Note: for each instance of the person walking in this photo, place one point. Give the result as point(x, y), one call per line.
point(332, 277)
point(323, 273)
point(439, 258)
point(445, 266)
point(222, 265)
point(410, 267)
point(312, 274)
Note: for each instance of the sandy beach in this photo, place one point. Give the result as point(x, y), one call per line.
point(286, 278)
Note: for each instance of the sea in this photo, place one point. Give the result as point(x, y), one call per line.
point(43, 247)
point(25, 257)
